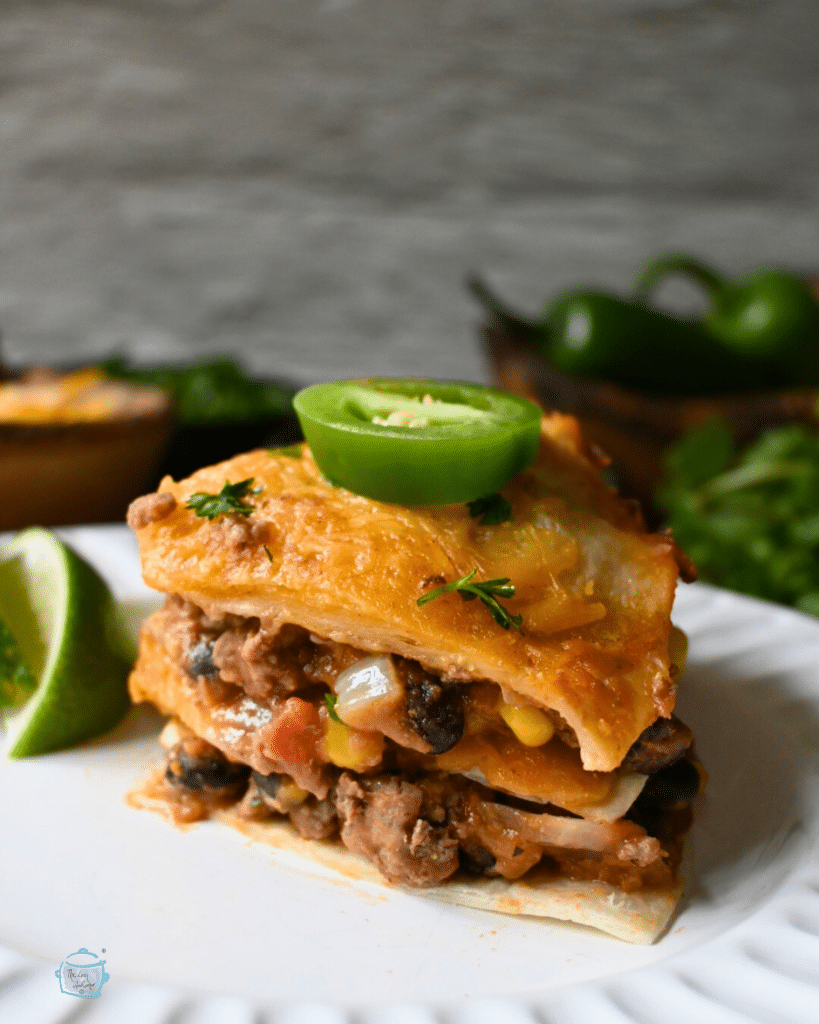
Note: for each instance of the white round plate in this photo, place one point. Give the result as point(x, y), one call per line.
point(204, 926)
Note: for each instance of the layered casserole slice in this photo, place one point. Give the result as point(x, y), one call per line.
point(479, 707)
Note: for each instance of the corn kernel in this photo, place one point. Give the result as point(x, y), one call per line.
point(532, 726)
point(289, 795)
point(352, 748)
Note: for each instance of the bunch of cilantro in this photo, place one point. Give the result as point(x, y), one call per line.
point(750, 519)
point(210, 392)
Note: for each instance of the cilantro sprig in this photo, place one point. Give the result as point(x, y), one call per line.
point(486, 591)
point(229, 501)
point(749, 519)
point(491, 510)
point(330, 700)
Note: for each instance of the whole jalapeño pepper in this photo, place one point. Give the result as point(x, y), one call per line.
point(771, 317)
point(598, 334)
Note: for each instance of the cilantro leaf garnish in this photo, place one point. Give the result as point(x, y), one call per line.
point(330, 701)
point(227, 502)
point(487, 591)
point(491, 510)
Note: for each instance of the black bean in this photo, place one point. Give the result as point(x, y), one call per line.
point(434, 711)
point(675, 784)
point(660, 745)
point(678, 783)
point(269, 784)
point(200, 660)
point(476, 861)
point(196, 765)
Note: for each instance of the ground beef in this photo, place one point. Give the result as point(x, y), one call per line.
point(238, 532)
point(182, 628)
point(150, 509)
point(315, 819)
point(263, 664)
point(380, 820)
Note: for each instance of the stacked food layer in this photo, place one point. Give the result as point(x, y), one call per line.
point(479, 705)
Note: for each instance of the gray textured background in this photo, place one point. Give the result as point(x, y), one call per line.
point(307, 183)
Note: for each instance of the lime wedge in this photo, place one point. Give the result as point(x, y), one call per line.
point(16, 682)
point(73, 639)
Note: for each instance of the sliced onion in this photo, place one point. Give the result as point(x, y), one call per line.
point(572, 833)
point(367, 693)
point(626, 790)
point(370, 695)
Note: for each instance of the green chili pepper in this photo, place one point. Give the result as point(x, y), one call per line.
point(418, 442)
point(601, 335)
point(771, 317)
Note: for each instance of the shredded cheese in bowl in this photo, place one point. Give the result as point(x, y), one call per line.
point(43, 396)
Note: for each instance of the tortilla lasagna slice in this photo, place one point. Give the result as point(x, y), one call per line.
point(334, 684)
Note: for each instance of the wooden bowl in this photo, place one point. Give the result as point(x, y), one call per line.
point(59, 473)
point(635, 429)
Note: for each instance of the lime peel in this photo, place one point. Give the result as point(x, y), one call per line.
point(72, 636)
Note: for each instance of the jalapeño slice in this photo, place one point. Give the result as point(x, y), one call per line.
point(412, 441)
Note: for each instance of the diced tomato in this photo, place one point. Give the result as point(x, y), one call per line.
point(294, 741)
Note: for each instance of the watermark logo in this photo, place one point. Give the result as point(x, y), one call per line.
point(82, 974)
